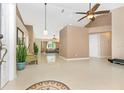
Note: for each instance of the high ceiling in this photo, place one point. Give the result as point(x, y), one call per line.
point(33, 14)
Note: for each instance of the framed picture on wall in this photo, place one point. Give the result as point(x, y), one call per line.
point(20, 36)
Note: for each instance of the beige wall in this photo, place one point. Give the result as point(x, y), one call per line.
point(118, 33)
point(102, 20)
point(31, 37)
point(99, 29)
point(105, 44)
point(21, 25)
point(19, 15)
point(74, 42)
point(23, 28)
point(63, 42)
point(27, 29)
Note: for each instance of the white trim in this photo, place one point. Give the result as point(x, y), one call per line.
point(67, 59)
point(103, 57)
point(62, 57)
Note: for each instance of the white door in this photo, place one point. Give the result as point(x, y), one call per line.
point(4, 28)
point(94, 45)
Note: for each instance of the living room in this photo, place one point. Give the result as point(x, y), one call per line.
point(60, 47)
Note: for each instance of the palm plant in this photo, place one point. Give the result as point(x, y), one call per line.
point(21, 52)
point(35, 49)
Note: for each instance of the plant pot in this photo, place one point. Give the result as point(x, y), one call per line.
point(21, 65)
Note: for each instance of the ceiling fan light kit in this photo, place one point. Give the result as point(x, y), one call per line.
point(90, 14)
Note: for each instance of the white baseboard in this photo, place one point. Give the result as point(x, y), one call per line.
point(103, 57)
point(67, 59)
point(62, 57)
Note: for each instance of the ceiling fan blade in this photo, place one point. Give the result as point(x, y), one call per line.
point(95, 7)
point(102, 12)
point(82, 18)
point(81, 13)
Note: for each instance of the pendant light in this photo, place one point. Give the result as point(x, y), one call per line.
point(54, 38)
point(45, 28)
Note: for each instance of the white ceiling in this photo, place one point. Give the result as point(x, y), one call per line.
point(33, 14)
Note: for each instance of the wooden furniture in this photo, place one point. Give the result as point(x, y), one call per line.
point(31, 58)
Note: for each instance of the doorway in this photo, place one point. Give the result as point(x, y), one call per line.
point(49, 46)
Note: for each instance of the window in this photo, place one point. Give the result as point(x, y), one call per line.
point(51, 45)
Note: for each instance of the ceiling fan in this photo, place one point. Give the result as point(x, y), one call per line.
point(90, 14)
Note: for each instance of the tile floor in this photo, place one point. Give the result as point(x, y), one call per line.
point(78, 75)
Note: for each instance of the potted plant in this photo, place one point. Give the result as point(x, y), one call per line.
point(36, 49)
point(21, 53)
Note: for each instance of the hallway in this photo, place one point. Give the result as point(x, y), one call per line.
point(81, 74)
